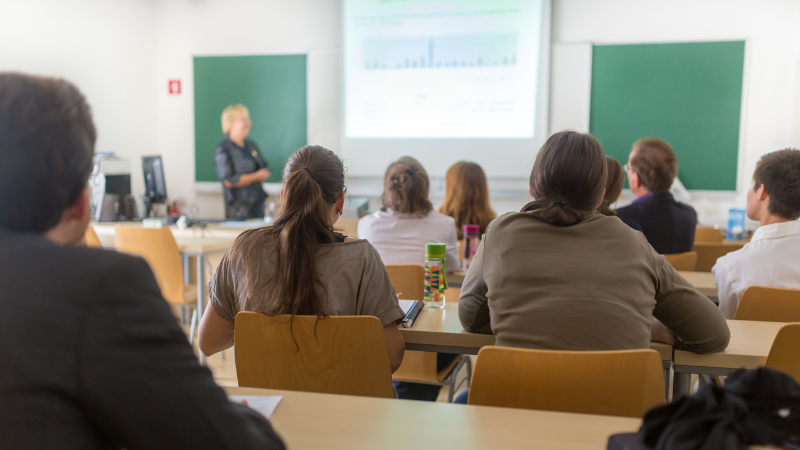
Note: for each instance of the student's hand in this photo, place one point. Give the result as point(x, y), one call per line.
point(660, 333)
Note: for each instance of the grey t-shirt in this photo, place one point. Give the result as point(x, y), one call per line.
point(353, 282)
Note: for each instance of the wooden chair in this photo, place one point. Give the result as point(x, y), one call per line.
point(338, 355)
point(158, 247)
point(683, 261)
point(348, 227)
point(420, 367)
point(91, 238)
point(709, 252)
point(613, 383)
point(767, 304)
point(785, 349)
point(708, 234)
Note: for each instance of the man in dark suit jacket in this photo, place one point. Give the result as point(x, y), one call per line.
point(668, 225)
point(92, 357)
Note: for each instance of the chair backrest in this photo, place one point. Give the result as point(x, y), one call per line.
point(709, 252)
point(348, 227)
point(158, 247)
point(338, 355)
point(708, 234)
point(613, 383)
point(91, 238)
point(785, 349)
point(408, 279)
point(683, 261)
point(768, 304)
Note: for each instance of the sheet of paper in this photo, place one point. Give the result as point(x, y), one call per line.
point(264, 404)
point(406, 305)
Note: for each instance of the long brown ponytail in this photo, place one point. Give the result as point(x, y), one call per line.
point(568, 178)
point(313, 180)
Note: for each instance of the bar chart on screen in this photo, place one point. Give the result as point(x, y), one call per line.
point(454, 51)
point(441, 68)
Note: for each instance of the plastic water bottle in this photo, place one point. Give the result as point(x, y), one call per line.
point(472, 235)
point(435, 275)
point(735, 224)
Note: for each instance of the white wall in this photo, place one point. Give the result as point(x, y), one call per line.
point(107, 48)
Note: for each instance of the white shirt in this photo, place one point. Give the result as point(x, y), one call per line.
point(772, 259)
point(400, 238)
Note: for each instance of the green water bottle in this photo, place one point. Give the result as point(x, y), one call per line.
point(435, 275)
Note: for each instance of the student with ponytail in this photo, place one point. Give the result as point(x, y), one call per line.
point(299, 265)
point(559, 276)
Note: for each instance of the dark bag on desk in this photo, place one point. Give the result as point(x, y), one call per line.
point(755, 407)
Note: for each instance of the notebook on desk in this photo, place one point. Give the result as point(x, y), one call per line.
point(412, 309)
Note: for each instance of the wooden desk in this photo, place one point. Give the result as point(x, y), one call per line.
point(211, 231)
point(440, 330)
point(703, 281)
point(749, 347)
point(312, 421)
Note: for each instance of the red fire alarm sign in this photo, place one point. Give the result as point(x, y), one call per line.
point(174, 86)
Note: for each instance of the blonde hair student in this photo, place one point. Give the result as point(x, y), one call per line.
point(299, 265)
point(240, 166)
point(466, 197)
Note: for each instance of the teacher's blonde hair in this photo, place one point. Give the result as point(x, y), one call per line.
point(232, 113)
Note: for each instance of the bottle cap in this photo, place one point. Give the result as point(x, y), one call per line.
point(472, 229)
point(435, 250)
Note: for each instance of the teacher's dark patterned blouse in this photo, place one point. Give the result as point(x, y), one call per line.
point(232, 162)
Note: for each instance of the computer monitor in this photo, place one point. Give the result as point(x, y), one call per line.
point(155, 189)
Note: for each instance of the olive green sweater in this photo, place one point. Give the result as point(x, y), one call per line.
point(595, 285)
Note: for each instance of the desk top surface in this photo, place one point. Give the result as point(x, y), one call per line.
point(749, 347)
point(188, 244)
point(313, 421)
point(703, 281)
point(442, 327)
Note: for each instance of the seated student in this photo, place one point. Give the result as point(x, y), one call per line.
point(558, 276)
point(668, 225)
point(771, 257)
point(466, 197)
point(400, 230)
point(614, 181)
point(299, 265)
point(92, 356)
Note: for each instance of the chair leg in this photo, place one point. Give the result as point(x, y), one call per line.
point(465, 361)
point(452, 388)
point(192, 327)
point(469, 371)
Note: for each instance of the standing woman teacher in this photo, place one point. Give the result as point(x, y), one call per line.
point(240, 166)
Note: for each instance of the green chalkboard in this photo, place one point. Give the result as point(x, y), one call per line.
point(688, 94)
point(273, 87)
